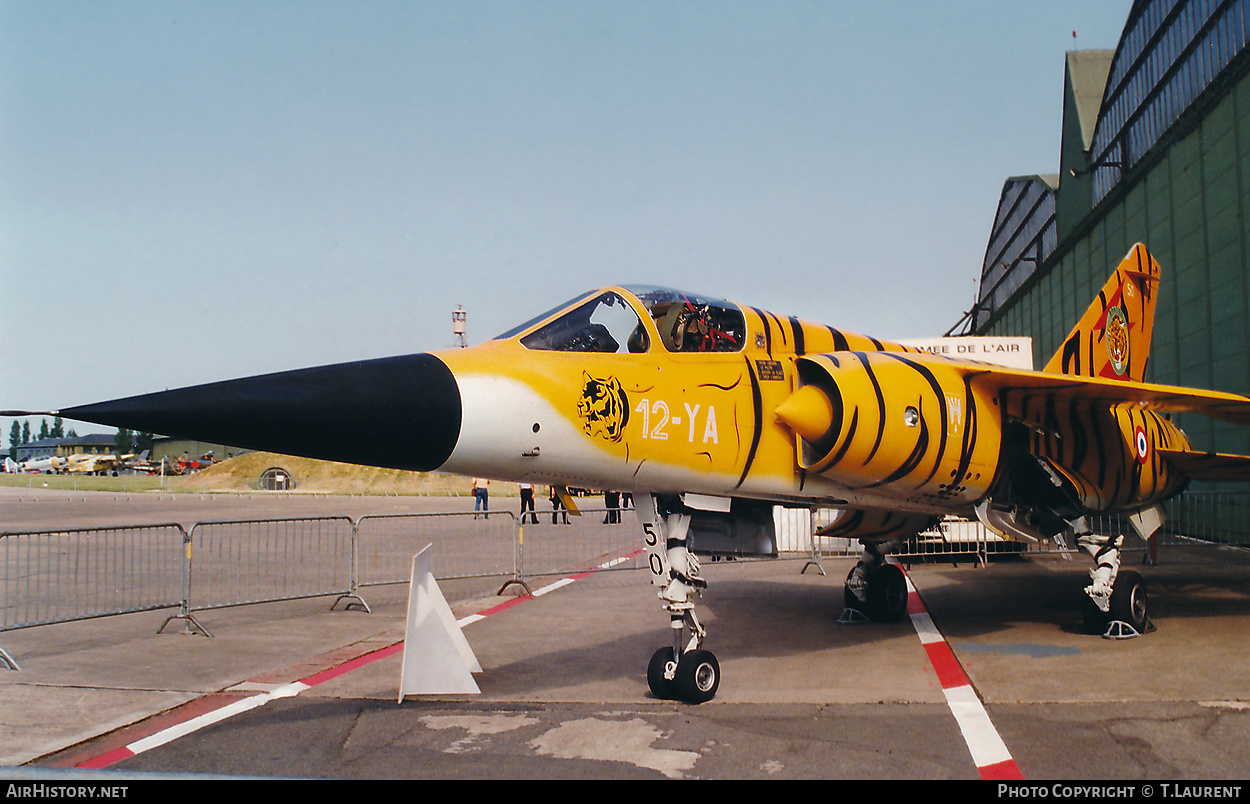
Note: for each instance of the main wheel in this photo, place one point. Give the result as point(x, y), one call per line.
point(887, 594)
point(1128, 600)
point(698, 676)
point(660, 686)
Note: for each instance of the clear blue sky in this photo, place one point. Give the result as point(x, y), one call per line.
point(195, 191)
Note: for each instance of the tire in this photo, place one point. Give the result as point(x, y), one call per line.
point(887, 594)
point(698, 676)
point(1128, 600)
point(660, 686)
point(1096, 620)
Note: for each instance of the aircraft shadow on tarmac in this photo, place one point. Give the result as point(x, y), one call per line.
point(1188, 582)
point(787, 615)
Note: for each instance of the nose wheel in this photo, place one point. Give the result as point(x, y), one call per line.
point(694, 678)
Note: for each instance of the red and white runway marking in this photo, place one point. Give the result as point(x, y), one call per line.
point(989, 753)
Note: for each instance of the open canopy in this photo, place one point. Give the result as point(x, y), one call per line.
point(612, 321)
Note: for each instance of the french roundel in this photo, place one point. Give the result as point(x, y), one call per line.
point(1142, 444)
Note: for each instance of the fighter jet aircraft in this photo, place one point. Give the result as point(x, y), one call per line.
point(711, 412)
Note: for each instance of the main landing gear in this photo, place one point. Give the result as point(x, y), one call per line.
point(1115, 602)
point(683, 671)
point(875, 590)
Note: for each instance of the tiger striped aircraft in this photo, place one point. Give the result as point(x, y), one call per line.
point(712, 412)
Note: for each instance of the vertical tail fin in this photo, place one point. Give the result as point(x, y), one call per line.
point(1112, 339)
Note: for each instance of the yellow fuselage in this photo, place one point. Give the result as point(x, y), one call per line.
point(665, 421)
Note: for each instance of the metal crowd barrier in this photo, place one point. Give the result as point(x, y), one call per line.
point(1217, 517)
point(466, 545)
point(235, 563)
point(554, 543)
point(58, 576)
point(954, 538)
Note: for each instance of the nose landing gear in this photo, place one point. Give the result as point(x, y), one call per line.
point(683, 671)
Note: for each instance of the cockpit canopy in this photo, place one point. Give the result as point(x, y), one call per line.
point(609, 322)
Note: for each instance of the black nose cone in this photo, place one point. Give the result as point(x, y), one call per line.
point(395, 412)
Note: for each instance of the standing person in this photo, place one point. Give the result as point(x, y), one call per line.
point(527, 502)
point(612, 499)
point(557, 506)
point(481, 496)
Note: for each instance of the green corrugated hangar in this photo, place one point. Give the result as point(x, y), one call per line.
point(1155, 148)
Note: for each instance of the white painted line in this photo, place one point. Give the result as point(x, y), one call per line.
point(925, 628)
point(984, 743)
point(552, 587)
point(989, 752)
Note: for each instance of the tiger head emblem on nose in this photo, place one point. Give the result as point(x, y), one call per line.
point(603, 407)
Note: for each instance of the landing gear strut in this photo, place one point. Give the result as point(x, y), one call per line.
point(1115, 602)
point(874, 589)
point(684, 671)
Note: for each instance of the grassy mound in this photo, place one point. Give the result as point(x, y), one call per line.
point(242, 473)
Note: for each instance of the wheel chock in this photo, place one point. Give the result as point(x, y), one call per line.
point(1118, 629)
point(852, 616)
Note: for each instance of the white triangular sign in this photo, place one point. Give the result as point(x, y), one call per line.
point(437, 658)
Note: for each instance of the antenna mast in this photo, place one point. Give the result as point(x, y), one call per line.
point(457, 326)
